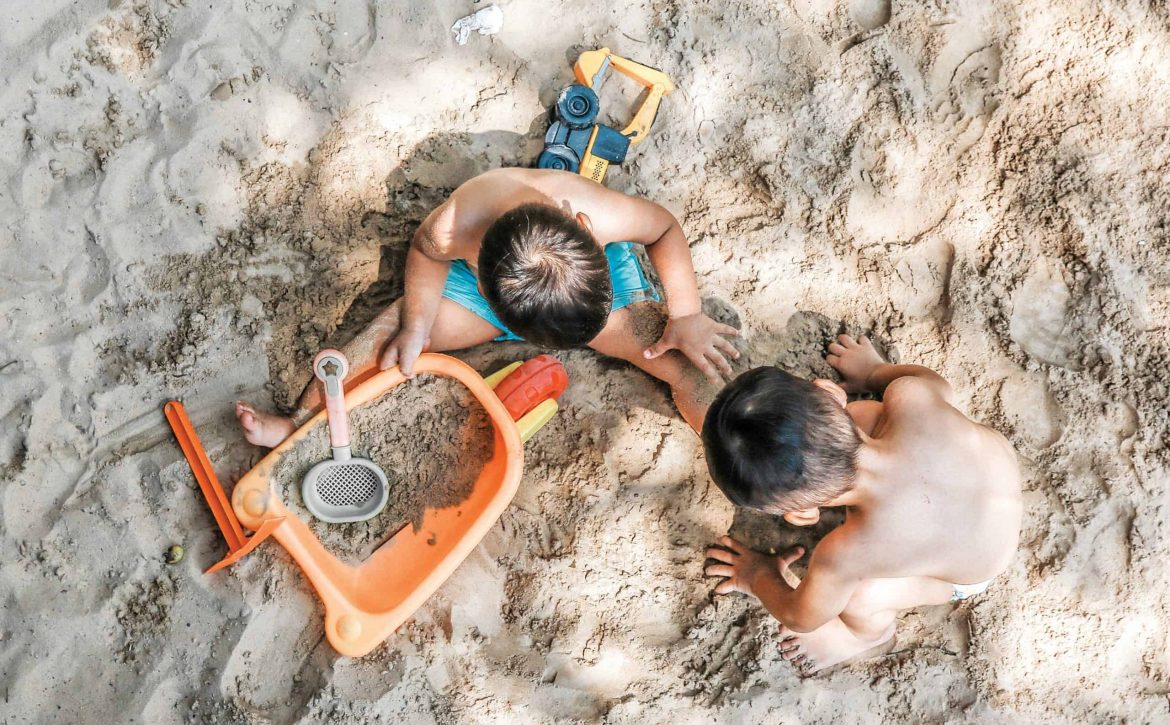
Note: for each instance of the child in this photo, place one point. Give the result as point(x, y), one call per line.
point(932, 499)
point(545, 256)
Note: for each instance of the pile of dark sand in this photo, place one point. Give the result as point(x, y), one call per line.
point(429, 435)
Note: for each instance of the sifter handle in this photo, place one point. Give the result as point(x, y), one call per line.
point(330, 367)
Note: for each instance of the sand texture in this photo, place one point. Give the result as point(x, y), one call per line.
point(197, 197)
point(428, 435)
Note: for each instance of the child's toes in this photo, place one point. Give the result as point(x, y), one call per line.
point(246, 416)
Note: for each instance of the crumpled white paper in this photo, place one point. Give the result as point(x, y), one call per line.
point(487, 21)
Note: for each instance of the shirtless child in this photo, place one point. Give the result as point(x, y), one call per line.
point(932, 499)
point(544, 256)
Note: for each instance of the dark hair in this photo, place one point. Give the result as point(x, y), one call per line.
point(545, 276)
point(778, 443)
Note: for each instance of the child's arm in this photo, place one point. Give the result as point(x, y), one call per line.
point(864, 370)
point(427, 264)
point(632, 218)
point(821, 595)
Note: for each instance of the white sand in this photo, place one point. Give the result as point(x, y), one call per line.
point(194, 194)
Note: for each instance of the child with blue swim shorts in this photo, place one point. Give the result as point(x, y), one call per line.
point(545, 256)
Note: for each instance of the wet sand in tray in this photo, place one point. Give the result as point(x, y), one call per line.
point(431, 437)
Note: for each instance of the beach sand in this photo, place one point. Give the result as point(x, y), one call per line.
point(197, 197)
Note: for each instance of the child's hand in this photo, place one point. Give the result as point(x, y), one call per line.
point(699, 338)
point(744, 567)
point(855, 360)
point(403, 350)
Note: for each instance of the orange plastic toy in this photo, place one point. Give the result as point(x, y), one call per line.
point(238, 544)
point(365, 603)
point(524, 387)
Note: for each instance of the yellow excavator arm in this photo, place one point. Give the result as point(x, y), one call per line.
point(591, 68)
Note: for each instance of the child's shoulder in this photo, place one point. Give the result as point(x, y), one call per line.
point(492, 183)
point(910, 390)
point(512, 175)
point(917, 403)
point(503, 172)
point(498, 190)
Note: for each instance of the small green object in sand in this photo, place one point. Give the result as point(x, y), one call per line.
point(174, 554)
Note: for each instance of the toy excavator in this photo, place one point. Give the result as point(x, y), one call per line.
point(573, 141)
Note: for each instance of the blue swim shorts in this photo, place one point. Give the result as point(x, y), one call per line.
point(629, 286)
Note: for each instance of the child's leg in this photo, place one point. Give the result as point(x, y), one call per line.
point(455, 328)
point(867, 622)
point(630, 331)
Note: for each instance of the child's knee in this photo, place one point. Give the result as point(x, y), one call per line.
point(867, 598)
point(866, 614)
point(647, 322)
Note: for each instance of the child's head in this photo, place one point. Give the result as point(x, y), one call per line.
point(780, 444)
point(545, 276)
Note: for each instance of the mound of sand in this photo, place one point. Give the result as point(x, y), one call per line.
point(198, 196)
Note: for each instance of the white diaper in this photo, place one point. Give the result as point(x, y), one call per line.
point(962, 592)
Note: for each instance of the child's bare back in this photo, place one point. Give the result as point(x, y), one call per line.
point(932, 499)
point(949, 500)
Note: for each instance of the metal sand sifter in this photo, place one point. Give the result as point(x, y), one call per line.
point(344, 488)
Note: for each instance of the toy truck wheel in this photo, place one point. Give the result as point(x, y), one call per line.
point(558, 156)
point(577, 106)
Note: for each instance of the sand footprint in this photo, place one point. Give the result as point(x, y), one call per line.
point(965, 82)
point(920, 284)
point(722, 651)
point(1040, 317)
point(647, 448)
point(894, 199)
point(226, 89)
point(275, 655)
point(1032, 411)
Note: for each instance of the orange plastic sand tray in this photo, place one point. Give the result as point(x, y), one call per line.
point(365, 603)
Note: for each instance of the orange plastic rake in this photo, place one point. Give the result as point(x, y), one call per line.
point(238, 544)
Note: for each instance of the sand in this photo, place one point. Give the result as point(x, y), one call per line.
point(428, 435)
point(196, 197)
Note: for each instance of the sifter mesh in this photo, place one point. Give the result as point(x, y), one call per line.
point(347, 485)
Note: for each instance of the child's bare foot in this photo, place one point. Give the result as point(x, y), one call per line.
point(263, 429)
point(826, 646)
